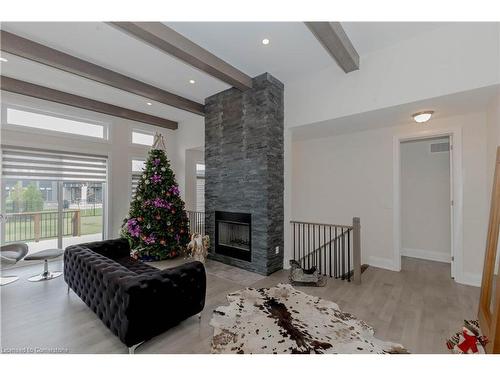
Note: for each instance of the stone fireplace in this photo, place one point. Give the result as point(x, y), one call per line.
point(233, 234)
point(244, 175)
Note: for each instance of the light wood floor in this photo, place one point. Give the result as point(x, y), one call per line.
point(419, 307)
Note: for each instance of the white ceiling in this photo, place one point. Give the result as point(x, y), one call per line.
point(444, 106)
point(107, 46)
point(368, 37)
point(293, 52)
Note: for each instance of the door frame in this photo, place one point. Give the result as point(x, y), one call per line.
point(456, 182)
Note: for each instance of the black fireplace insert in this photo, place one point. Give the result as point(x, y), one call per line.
point(233, 234)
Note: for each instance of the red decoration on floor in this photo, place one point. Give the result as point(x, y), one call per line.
point(469, 340)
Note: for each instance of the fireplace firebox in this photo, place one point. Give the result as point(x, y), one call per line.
point(233, 234)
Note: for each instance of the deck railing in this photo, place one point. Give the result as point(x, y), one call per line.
point(36, 226)
point(196, 222)
point(333, 249)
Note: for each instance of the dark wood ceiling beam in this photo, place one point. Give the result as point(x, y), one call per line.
point(333, 38)
point(40, 53)
point(41, 92)
point(170, 41)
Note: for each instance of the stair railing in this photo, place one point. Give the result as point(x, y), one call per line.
point(335, 250)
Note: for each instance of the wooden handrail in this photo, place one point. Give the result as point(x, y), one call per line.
point(325, 224)
point(39, 212)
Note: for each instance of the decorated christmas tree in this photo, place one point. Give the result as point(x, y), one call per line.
point(157, 224)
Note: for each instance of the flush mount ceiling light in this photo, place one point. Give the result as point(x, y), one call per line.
point(265, 41)
point(192, 81)
point(423, 116)
point(149, 103)
point(3, 59)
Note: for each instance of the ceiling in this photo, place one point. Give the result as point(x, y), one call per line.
point(444, 106)
point(293, 52)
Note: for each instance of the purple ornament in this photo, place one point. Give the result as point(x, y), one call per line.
point(151, 239)
point(158, 203)
point(133, 227)
point(156, 162)
point(155, 178)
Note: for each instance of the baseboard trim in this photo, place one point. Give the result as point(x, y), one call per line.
point(385, 263)
point(426, 254)
point(472, 279)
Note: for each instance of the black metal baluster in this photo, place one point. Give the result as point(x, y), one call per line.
point(308, 245)
point(343, 254)
point(335, 254)
point(330, 251)
point(349, 255)
point(314, 246)
point(303, 263)
point(319, 249)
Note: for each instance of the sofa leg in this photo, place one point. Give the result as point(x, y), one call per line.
point(131, 349)
point(68, 288)
point(199, 316)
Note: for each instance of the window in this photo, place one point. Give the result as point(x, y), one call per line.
point(137, 168)
point(200, 187)
point(138, 165)
point(34, 120)
point(142, 138)
point(52, 199)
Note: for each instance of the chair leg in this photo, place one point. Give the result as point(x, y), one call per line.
point(131, 349)
point(4, 280)
point(46, 275)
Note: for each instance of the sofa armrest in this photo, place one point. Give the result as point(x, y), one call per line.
point(158, 301)
point(102, 284)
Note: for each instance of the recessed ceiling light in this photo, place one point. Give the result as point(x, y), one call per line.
point(3, 59)
point(423, 116)
point(149, 103)
point(192, 81)
point(265, 41)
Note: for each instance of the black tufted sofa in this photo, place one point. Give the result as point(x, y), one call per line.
point(134, 300)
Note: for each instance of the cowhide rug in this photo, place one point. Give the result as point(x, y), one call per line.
point(284, 320)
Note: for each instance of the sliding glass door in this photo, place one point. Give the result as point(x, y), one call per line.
point(83, 208)
point(52, 200)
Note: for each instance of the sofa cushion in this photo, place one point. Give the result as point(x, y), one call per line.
point(135, 265)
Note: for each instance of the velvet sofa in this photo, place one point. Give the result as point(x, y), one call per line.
point(134, 300)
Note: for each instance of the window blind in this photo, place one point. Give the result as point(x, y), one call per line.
point(32, 164)
point(200, 194)
point(136, 177)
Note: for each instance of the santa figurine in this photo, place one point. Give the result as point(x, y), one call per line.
point(469, 340)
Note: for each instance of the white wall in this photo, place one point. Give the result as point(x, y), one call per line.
point(493, 129)
point(118, 148)
point(454, 58)
point(187, 136)
point(425, 201)
point(337, 178)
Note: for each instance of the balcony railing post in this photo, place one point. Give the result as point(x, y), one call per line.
point(356, 248)
point(77, 228)
point(37, 225)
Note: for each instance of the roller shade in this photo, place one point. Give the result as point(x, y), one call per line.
point(31, 164)
point(200, 194)
point(136, 177)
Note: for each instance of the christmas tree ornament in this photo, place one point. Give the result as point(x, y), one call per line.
point(157, 226)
